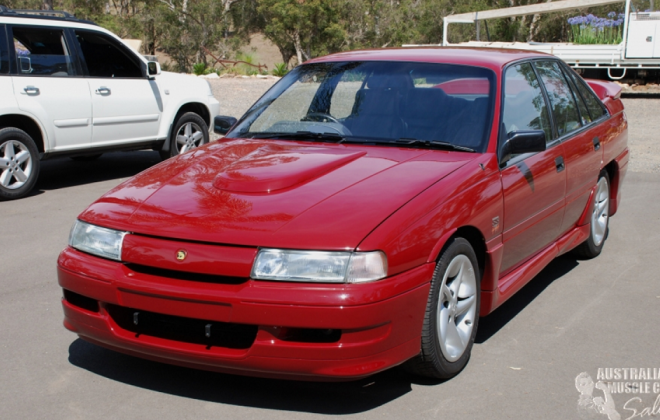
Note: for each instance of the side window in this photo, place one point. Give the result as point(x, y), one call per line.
point(104, 58)
point(564, 108)
point(584, 113)
point(593, 103)
point(4, 51)
point(524, 105)
point(42, 52)
point(343, 98)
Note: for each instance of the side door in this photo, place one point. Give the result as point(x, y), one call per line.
point(584, 154)
point(48, 84)
point(533, 184)
point(126, 105)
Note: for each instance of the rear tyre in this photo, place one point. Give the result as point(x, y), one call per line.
point(19, 163)
point(86, 158)
point(600, 220)
point(190, 131)
point(452, 314)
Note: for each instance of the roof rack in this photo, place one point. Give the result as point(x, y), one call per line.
point(41, 14)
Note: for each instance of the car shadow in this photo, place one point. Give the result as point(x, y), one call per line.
point(491, 324)
point(333, 398)
point(64, 172)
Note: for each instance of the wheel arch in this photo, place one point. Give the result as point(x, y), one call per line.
point(471, 234)
point(613, 171)
point(27, 124)
point(196, 107)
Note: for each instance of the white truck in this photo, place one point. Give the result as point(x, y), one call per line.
point(638, 51)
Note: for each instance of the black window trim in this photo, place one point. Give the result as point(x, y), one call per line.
point(500, 138)
point(132, 56)
point(3, 28)
point(73, 51)
point(578, 79)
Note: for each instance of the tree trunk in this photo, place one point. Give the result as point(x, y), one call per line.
point(47, 5)
point(533, 28)
point(298, 46)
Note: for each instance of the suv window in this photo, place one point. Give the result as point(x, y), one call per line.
point(524, 105)
point(4, 51)
point(104, 58)
point(42, 52)
point(564, 108)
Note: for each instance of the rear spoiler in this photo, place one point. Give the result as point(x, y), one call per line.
point(605, 89)
point(609, 93)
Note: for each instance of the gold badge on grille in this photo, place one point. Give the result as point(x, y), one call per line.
point(181, 255)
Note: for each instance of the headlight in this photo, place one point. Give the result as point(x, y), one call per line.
point(319, 266)
point(96, 240)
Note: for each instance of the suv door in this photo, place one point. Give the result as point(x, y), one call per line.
point(48, 85)
point(533, 185)
point(127, 106)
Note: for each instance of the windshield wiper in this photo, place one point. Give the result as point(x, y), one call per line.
point(433, 143)
point(304, 135)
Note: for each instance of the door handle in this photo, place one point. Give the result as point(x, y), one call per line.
point(31, 90)
point(559, 163)
point(102, 91)
point(596, 141)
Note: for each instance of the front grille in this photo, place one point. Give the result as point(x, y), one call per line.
point(185, 275)
point(188, 330)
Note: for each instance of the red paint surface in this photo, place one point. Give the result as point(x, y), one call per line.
point(223, 201)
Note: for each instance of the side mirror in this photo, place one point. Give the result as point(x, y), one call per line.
point(25, 64)
point(153, 68)
point(222, 124)
point(519, 142)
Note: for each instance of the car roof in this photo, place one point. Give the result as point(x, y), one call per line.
point(483, 57)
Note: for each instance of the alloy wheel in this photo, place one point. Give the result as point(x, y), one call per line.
point(457, 307)
point(15, 164)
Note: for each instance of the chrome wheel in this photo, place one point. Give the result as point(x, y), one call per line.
point(15, 164)
point(189, 136)
point(601, 212)
point(457, 307)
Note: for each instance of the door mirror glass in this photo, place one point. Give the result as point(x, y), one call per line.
point(153, 68)
point(529, 141)
point(222, 124)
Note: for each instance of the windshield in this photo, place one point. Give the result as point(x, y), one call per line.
point(405, 104)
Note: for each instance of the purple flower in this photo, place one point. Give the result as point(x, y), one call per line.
point(611, 14)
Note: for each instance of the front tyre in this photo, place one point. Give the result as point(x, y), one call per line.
point(452, 314)
point(19, 163)
point(600, 220)
point(190, 131)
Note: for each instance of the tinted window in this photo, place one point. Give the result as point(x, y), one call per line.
point(41, 52)
point(4, 51)
point(584, 113)
point(104, 58)
point(524, 105)
point(383, 101)
point(593, 103)
point(564, 108)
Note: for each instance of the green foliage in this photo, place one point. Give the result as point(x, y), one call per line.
point(280, 70)
point(199, 69)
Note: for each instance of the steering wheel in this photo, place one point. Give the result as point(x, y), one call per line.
point(320, 117)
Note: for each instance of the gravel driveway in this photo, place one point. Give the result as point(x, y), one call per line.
point(236, 95)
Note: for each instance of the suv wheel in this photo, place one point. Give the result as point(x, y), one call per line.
point(19, 163)
point(190, 131)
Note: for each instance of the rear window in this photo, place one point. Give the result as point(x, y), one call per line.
point(4, 51)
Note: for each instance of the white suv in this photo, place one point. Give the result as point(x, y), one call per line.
point(70, 88)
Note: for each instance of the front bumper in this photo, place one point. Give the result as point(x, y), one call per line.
point(379, 323)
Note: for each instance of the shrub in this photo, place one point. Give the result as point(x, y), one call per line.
point(280, 70)
point(199, 69)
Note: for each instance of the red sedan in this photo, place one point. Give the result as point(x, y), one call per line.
point(364, 213)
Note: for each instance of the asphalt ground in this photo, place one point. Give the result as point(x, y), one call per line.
point(576, 316)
